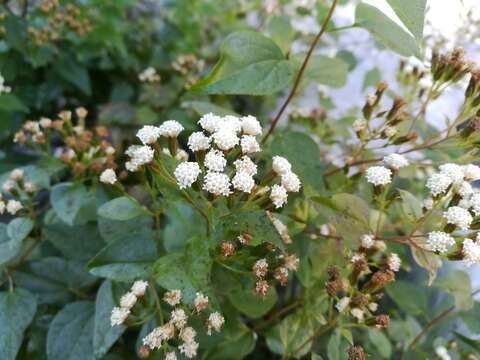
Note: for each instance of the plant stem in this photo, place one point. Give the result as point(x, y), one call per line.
point(299, 76)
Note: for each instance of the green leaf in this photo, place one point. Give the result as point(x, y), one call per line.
point(237, 343)
point(411, 206)
point(412, 14)
point(347, 334)
point(428, 261)
point(74, 73)
point(113, 230)
point(11, 103)
point(324, 70)
point(19, 228)
point(334, 346)
point(402, 293)
point(381, 342)
point(205, 107)
point(105, 335)
point(125, 259)
point(472, 318)
point(250, 64)
point(280, 30)
point(372, 78)
point(73, 203)
point(386, 31)
point(17, 309)
point(252, 305)
point(122, 209)
point(70, 333)
point(8, 248)
point(474, 344)
point(458, 284)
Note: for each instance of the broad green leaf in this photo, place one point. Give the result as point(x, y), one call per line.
point(250, 64)
point(381, 342)
point(411, 206)
point(458, 284)
point(237, 343)
point(412, 14)
point(386, 31)
point(324, 70)
point(428, 261)
point(74, 73)
point(105, 335)
point(113, 230)
point(8, 248)
point(73, 203)
point(70, 333)
point(280, 30)
point(11, 103)
point(252, 305)
point(19, 228)
point(17, 309)
point(336, 347)
point(205, 107)
point(122, 209)
point(472, 318)
point(402, 293)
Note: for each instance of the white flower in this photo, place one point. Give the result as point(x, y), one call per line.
point(458, 216)
point(453, 171)
point(291, 182)
point(357, 257)
point(149, 74)
point(342, 304)
point(2, 207)
point(475, 203)
point(428, 204)
point(32, 126)
point(171, 128)
point(108, 176)
point(148, 134)
point(225, 139)
point(14, 206)
point(464, 189)
point(251, 126)
point(442, 353)
point(291, 262)
point(438, 183)
point(128, 300)
point(245, 164)
point(178, 318)
point(357, 314)
point(217, 183)
point(200, 302)
point(367, 241)
point(249, 144)
point(471, 252)
point(215, 161)
point(139, 288)
point(231, 123)
point(373, 307)
point(182, 155)
point(186, 174)
point(214, 322)
point(17, 174)
point(281, 165)
point(395, 161)
point(394, 262)
point(159, 334)
point(119, 315)
point(278, 195)
point(210, 122)
point(379, 175)
point(109, 150)
point(45, 122)
point(188, 334)
point(465, 203)
point(260, 268)
point(359, 125)
point(197, 141)
point(171, 356)
point(173, 297)
point(189, 349)
point(8, 186)
point(471, 172)
point(440, 241)
point(140, 155)
point(244, 182)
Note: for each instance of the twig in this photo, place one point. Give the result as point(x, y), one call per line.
point(299, 76)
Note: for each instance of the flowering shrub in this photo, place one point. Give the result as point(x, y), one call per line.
point(237, 230)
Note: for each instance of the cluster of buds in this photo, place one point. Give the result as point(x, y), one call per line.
point(190, 67)
point(177, 326)
point(449, 68)
point(265, 273)
point(127, 303)
point(17, 189)
point(414, 77)
point(149, 75)
point(86, 152)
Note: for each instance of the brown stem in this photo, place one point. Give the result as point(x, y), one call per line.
point(299, 76)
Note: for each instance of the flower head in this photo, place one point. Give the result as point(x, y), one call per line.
point(281, 165)
point(440, 241)
point(342, 304)
point(139, 288)
point(17, 174)
point(200, 302)
point(197, 141)
point(245, 164)
point(178, 318)
point(244, 182)
point(291, 182)
point(108, 176)
point(453, 171)
point(170, 128)
point(140, 155)
point(379, 175)
point(189, 349)
point(278, 195)
point(210, 122)
point(471, 172)
point(225, 139)
point(188, 334)
point(395, 161)
point(215, 161)
point(249, 144)
point(119, 315)
point(217, 183)
point(186, 174)
point(173, 297)
point(438, 183)
point(128, 300)
point(471, 252)
point(475, 203)
point(458, 216)
point(260, 268)
point(214, 322)
point(367, 241)
point(14, 206)
point(394, 262)
point(251, 126)
point(148, 134)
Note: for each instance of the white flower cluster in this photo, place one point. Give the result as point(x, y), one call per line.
point(455, 176)
point(177, 325)
point(108, 176)
point(221, 136)
point(471, 251)
point(395, 161)
point(14, 186)
point(3, 88)
point(127, 302)
point(149, 75)
point(440, 241)
point(139, 156)
point(379, 175)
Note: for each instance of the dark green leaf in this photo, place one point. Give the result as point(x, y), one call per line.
point(73, 203)
point(19, 228)
point(236, 344)
point(381, 342)
point(74, 73)
point(402, 293)
point(252, 305)
point(8, 248)
point(11, 103)
point(122, 209)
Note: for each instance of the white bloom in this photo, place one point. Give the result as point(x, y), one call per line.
point(458, 216)
point(373, 307)
point(173, 297)
point(281, 165)
point(357, 313)
point(45, 122)
point(428, 204)
point(440, 241)
point(359, 125)
point(188, 334)
point(17, 174)
point(159, 334)
point(217, 183)
point(178, 318)
point(14, 206)
point(214, 322)
point(140, 155)
point(465, 203)
point(394, 262)
point(32, 126)
point(260, 268)
point(148, 134)
point(8, 186)
point(453, 171)
point(245, 164)
point(110, 150)
point(357, 257)
point(471, 252)
point(210, 122)
point(249, 144)
point(278, 195)
point(442, 353)
point(149, 74)
point(186, 174)
point(291, 262)
point(251, 126)
point(200, 302)
point(380, 245)
point(171, 128)
point(291, 182)
point(471, 172)
point(139, 288)
point(464, 189)
point(171, 356)
point(395, 161)
point(108, 176)
point(231, 123)
point(119, 315)
point(128, 300)
point(475, 203)
point(189, 349)
point(342, 304)
point(225, 139)
point(182, 155)
point(438, 183)
point(2, 207)
point(367, 241)
point(244, 182)
point(198, 141)
point(30, 187)
point(215, 161)
point(379, 175)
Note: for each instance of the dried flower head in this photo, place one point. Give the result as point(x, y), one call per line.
point(173, 297)
point(200, 302)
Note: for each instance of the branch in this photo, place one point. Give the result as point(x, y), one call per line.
point(300, 72)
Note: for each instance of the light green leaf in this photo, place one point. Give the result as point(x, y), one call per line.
point(252, 305)
point(372, 78)
point(113, 230)
point(122, 208)
point(458, 284)
point(237, 343)
point(8, 248)
point(11, 103)
point(333, 346)
point(17, 310)
point(428, 261)
point(381, 342)
point(73, 203)
point(412, 14)
point(280, 30)
point(324, 70)
point(19, 228)
point(402, 293)
point(411, 206)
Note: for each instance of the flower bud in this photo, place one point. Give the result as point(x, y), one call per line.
point(356, 353)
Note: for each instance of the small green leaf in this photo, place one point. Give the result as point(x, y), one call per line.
point(412, 14)
point(372, 78)
point(11, 103)
point(324, 70)
point(402, 293)
point(411, 206)
point(19, 228)
point(122, 209)
point(458, 284)
point(428, 261)
point(381, 342)
point(237, 343)
point(73, 203)
point(347, 334)
point(8, 248)
point(280, 30)
point(252, 305)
